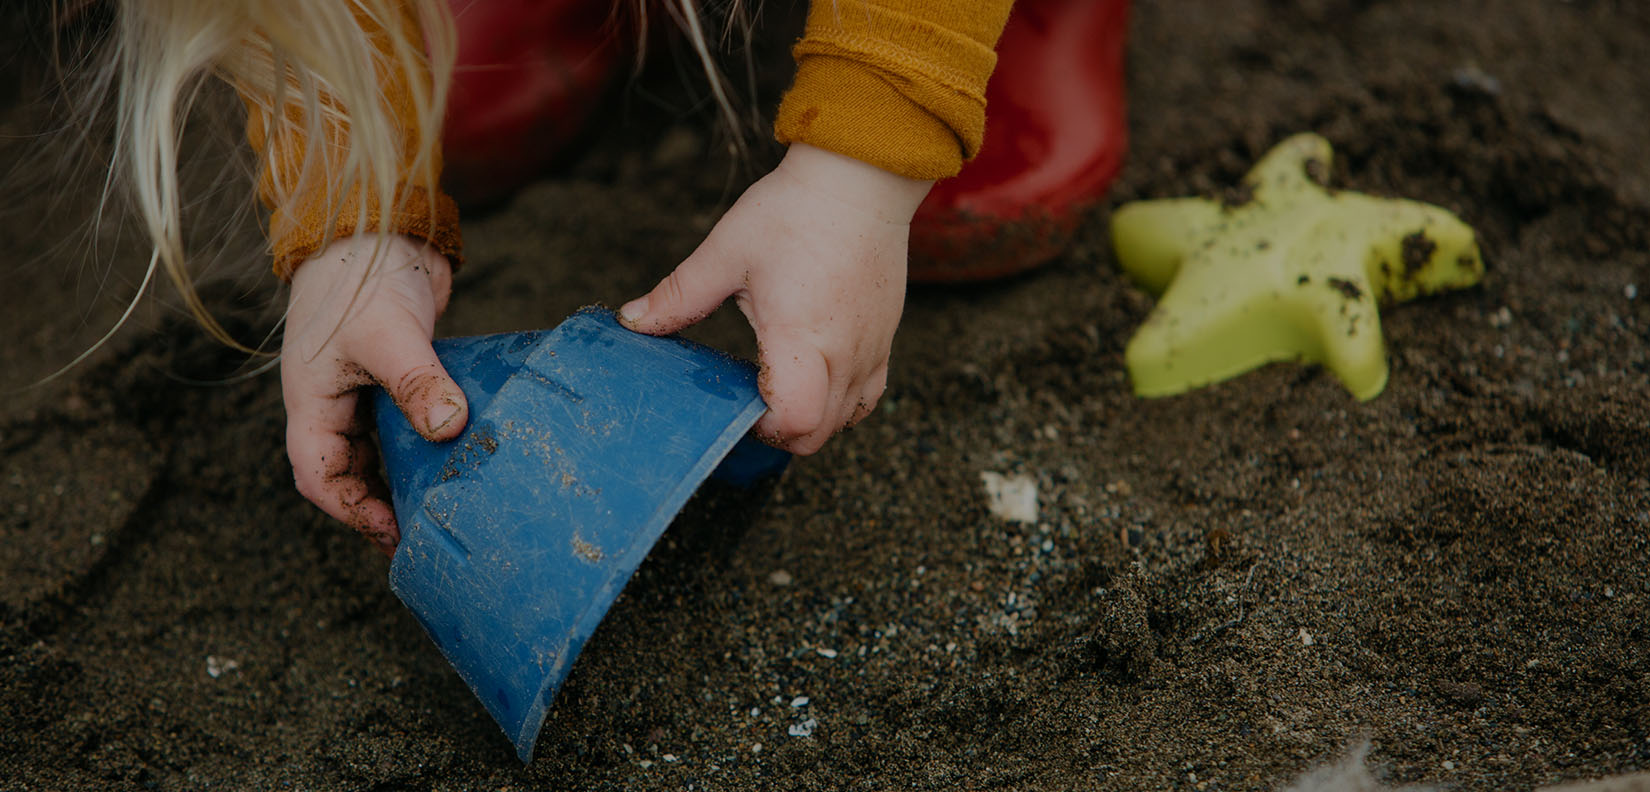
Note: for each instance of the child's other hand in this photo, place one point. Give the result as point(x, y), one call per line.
point(814, 254)
point(350, 326)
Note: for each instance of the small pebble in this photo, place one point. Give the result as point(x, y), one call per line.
point(1306, 637)
point(1449, 765)
point(805, 728)
point(1631, 291)
point(218, 666)
point(1472, 78)
point(826, 653)
point(780, 577)
point(799, 702)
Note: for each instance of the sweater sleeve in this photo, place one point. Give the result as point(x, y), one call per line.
point(899, 84)
point(316, 212)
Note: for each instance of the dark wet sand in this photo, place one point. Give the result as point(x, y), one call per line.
point(1467, 552)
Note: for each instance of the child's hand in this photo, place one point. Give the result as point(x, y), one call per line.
point(814, 254)
point(349, 326)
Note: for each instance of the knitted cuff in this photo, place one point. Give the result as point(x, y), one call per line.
point(296, 240)
point(899, 84)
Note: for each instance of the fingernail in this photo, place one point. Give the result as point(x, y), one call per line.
point(441, 414)
point(633, 310)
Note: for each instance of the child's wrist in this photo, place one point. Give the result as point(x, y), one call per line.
point(359, 256)
point(887, 196)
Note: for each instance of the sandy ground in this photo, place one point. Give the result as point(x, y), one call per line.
point(1223, 590)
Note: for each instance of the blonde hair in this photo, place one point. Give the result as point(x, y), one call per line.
point(315, 70)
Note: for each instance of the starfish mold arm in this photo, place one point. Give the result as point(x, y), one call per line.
point(1337, 319)
point(1207, 329)
point(1152, 238)
point(1415, 249)
point(1293, 169)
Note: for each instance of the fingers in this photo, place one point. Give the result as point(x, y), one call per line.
point(334, 465)
point(406, 365)
point(802, 398)
point(688, 294)
point(809, 401)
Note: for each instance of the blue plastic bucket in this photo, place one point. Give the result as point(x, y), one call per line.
point(583, 444)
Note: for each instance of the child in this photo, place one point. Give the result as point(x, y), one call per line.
point(344, 101)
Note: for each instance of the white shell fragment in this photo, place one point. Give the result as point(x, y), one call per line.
point(1013, 498)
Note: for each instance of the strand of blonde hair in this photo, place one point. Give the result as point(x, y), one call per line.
point(314, 67)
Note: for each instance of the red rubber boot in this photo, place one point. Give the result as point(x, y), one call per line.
point(1055, 137)
point(529, 75)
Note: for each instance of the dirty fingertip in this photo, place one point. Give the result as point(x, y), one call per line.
point(380, 528)
point(632, 312)
point(445, 412)
point(772, 430)
point(444, 418)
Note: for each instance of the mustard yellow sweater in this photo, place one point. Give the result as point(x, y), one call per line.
point(899, 84)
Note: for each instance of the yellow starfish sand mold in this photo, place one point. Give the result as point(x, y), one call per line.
point(1293, 273)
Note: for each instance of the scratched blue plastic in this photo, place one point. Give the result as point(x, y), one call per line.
point(583, 444)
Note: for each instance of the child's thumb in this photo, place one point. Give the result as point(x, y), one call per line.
point(688, 294)
point(408, 368)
